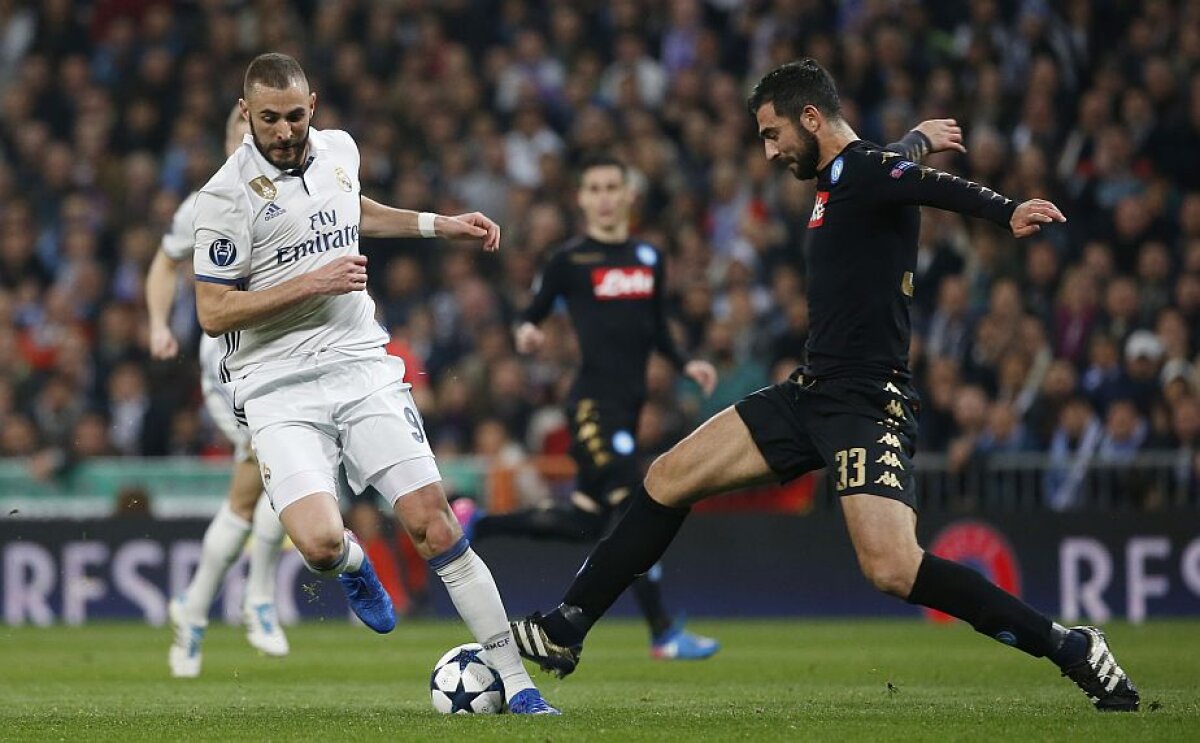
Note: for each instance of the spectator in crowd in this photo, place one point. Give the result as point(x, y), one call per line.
point(111, 116)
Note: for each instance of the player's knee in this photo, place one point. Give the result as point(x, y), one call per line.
point(320, 548)
point(888, 573)
point(242, 509)
point(667, 480)
point(435, 535)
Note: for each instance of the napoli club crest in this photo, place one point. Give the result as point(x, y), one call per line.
point(646, 255)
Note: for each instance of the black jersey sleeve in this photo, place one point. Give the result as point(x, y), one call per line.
point(913, 146)
point(663, 341)
point(897, 180)
point(551, 286)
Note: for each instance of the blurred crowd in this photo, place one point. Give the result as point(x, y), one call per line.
point(1081, 342)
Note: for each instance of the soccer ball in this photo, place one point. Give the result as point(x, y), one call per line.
point(463, 682)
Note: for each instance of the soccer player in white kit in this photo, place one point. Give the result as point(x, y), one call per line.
point(244, 512)
point(279, 276)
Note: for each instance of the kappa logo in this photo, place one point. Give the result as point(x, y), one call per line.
point(273, 210)
point(222, 252)
point(894, 409)
point(889, 439)
point(621, 283)
point(889, 479)
point(890, 459)
point(818, 213)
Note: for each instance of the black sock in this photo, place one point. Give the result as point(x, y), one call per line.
point(636, 542)
point(1071, 649)
point(648, 591)
point(963, 593)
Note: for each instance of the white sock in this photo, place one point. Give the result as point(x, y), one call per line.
point(351, 560)
point(223, 541)
point(266, 543)
point(475, 596)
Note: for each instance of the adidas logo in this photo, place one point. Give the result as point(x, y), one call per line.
point(273, 210)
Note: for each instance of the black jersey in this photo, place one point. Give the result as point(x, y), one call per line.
point(616, 299)
point(861, 255)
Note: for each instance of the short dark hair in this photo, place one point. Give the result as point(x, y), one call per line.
point(602, 160)
point(273, 70)
point(793, 86)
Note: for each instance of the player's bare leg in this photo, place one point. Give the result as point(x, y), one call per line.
point(314, 523)
point(717, 457)
point(437, 536)
point(883, 531)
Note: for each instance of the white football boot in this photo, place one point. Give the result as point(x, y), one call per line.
point(263, 630)
point(184, 656)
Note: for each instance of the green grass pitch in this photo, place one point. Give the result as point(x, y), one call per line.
point(773, 680)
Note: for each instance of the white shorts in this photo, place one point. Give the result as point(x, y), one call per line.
point(219, 401)
point(333, 409)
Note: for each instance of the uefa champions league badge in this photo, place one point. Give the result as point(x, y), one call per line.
point(835, 173)
point(622, 443)
point(646, 255)
point(222, 252)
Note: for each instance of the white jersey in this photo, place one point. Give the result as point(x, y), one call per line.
point(257, 226)
point(180, 240)
point(178, 244)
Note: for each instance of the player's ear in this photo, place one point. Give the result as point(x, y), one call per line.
point(811, 119)
point(312, 103)
point(245, 107)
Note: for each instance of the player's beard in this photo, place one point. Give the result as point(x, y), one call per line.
point(272, 151)
point(804, 163)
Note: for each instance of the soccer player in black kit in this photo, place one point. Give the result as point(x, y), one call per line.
point(614, 288)
point(850, 408)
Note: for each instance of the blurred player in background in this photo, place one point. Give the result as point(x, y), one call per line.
point(615, 293)
point(280, 277)
point(850, 408)
point(243, 512)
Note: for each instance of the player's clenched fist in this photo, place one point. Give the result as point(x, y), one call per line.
point(340, 276)
point(1031, 215)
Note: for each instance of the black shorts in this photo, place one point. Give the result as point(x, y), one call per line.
point(864, 430)
point(604, 447)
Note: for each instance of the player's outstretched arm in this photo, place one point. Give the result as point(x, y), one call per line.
point(223, 308)
point(1029, 216)
point(928, 137)
point(379, 220)
point(160, 295)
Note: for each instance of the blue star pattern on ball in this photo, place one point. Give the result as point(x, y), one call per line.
point(463, 683)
